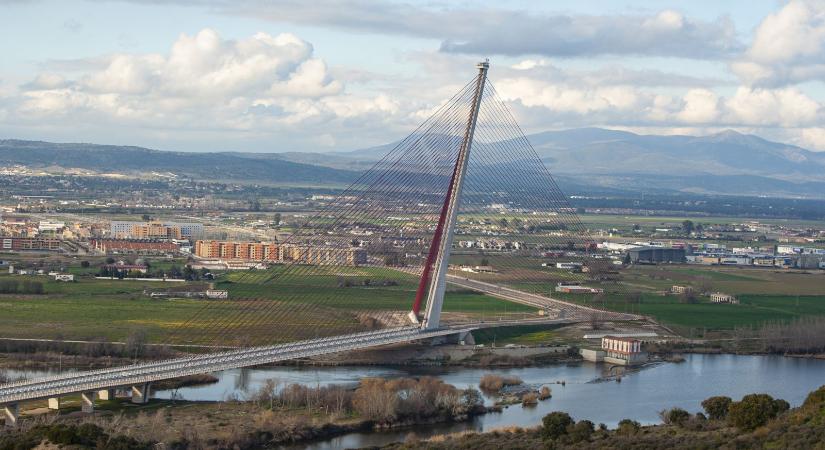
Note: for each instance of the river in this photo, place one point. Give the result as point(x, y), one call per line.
point(639, 395)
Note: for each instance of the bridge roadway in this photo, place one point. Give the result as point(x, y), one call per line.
point(142, 373)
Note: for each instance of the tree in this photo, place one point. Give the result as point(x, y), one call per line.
point(705, 284)
point(146, 217)
point(753, 411)
point(674, 416)
point(581, 431)
point(717, 407)
point(84, 264)
point(485, 262)
point(687, 226)
point(134, 343)
point(688, 297)
point(554, 425)
point(503, 222)
point(628, 427)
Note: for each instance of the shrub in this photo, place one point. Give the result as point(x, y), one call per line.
point(529, 399)
point(753, 411)
point(780, 406)
point(628, 427)
point(581, 431)
point(494, 383)
point(544, 393)
point(674, 416)
point(388, 400)
point(717, 407)
point(555, 424)
point(815, 399)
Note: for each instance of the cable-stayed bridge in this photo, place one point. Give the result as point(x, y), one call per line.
point(376, 265)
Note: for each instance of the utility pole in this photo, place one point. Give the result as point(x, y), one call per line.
point(435, 297)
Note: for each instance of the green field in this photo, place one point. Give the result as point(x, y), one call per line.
point(753, 310)
point(305, 305)
point(521, 335)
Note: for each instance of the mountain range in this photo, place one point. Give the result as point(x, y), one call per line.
point(582, 159)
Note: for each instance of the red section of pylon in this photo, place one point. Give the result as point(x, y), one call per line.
point(428, 266)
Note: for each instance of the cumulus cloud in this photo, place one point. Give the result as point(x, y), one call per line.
point(772, 107)
point(263, 82)
point(813, 138)
point(701, 106)
point(788, 47)
point(568, 104)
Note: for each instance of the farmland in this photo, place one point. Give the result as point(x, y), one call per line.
point(95, 309)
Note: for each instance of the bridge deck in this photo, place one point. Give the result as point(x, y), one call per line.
point(135, 374)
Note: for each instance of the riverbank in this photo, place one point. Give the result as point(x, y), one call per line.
point(757, 421)
point(585, 390)
point(276, 414)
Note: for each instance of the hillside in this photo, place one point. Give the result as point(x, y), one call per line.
point(129, 160)
point(585, 159)
point(722, 163)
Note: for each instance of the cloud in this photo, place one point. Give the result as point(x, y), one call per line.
point(772, 107)
point(501, 31)
point(563, 102)
point(263, 82)
point(788, 47)
point(701, 106)
point(609, 75)
point(667, 33)
point(813, 138)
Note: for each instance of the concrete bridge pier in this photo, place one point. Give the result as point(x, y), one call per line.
point(11, 412)
point(54, 403)
point(140, 393)
point(87, 402)
point(461, 338)
point(106, 394)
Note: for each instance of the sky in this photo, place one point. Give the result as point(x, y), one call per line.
point(324, 75)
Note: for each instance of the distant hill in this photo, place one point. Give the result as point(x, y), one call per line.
point(593, 150)
point(725, 163)
point(584, 158)
point(226, 166)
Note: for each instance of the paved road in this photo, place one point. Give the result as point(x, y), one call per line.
point(566, 310)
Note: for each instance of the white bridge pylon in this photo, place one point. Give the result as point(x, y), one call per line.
point(438, 258)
